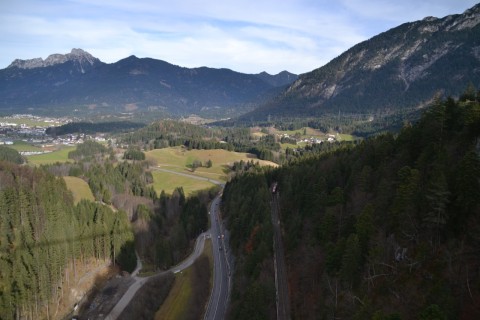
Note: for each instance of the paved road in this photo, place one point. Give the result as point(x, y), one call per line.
point(139, 282)
point(223, 266)
point(281, 281)
point(223, 262)
point(188, 175)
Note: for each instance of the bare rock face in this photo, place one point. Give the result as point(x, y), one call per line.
point(402, 68)
point(79, 57)
point(27, 64)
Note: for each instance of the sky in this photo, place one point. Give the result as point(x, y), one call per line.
point(248, 36)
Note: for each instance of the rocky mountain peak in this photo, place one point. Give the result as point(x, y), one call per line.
point(80, 57)
point(402, 68)
point(473, 10)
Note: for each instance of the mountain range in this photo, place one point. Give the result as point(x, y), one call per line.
point(403, 68)
point(77, 80)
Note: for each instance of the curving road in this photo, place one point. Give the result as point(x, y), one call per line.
point(223, 263)
point(139, 282)
point(222, 266)
point(222, 257)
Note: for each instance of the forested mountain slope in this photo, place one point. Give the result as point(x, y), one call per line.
point(42, 234)
point(402, 68)
point(78, 81)
point(386, 229)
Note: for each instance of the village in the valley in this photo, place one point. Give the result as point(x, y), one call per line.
point(30, 129)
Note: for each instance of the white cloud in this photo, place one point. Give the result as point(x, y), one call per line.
point(406, 10)
point(248, 36)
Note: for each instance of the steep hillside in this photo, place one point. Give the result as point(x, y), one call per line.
point(79, 81)
point(386, 229)
point(45, 239)
point(402, 68)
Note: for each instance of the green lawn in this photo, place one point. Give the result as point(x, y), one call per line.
point(79, 188)
point(52, 157)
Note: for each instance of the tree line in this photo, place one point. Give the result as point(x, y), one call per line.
point(11, 155)
point(93, 127)
point(165, 226)
point(245, 203)
point(169, 133)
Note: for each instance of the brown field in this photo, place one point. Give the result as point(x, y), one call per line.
point(79, 189)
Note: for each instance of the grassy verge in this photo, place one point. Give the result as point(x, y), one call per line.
point(52, 157)
point(148, 299)
point(191, 290)
point(79, 189)
point(208, 251)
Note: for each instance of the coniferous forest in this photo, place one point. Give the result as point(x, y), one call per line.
point(382, 228)
point(387, 228)
point(43, 233)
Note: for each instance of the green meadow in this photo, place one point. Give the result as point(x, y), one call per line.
point(180, 160)
point(79, 189)
point(168, 182)
point(60, 155)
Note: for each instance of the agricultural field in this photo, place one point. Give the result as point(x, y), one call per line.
point(31, 121)
point(179, 159)
point(60, 155)
point(303, 132)
point(20, 145)
point(346, 137)
point(79, 189)
point(168, 182)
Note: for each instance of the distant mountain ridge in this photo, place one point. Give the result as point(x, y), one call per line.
point(402, 68)
point(77, 80)
point(283, 78)
point(78, 56)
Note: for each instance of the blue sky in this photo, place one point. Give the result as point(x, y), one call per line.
point(242, 35)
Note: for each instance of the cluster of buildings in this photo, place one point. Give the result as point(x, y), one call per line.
point(16, 128)
point(311, 140)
